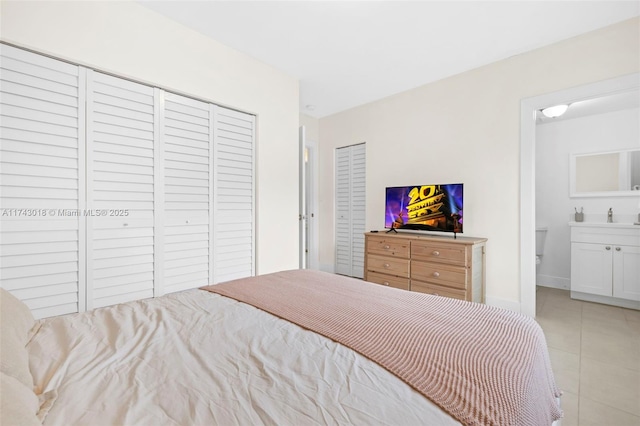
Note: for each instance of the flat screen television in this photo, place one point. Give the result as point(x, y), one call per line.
point(425, 208)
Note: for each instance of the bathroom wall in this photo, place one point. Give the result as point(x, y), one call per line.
point(555, 141)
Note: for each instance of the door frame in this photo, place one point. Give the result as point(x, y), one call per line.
point(308, 201)
point(528, 110)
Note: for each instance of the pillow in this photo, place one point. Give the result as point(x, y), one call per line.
point(16, 321)
point(15, 316)
point(18, 403)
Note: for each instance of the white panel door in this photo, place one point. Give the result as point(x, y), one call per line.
point(350, 199)
point(233, 217)
point(121, 131)
point(592, 268)
point(302, 200)
point(41, 190)
point(187, 158)
point(626, 272)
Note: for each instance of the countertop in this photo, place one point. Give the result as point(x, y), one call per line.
point(605, 225)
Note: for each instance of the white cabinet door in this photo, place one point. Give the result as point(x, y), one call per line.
point(233, 194)
point(592, 268)
point(626, 272)
point(41, 182)
point(121, 134)
point(187, 138)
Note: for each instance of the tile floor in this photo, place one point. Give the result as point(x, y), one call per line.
point(595, 354)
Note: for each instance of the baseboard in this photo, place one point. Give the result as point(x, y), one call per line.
point(623, 303)
point(553, 282)
point(328, 267)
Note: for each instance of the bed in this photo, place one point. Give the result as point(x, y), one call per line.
point(289, 348)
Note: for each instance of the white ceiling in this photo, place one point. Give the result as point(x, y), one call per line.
point(347, 53)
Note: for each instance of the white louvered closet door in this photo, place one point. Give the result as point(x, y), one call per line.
point(187, 158)
point(350, 202)
point(121, 133)
point(358, 208)
point(234, 136)
point(41, 190)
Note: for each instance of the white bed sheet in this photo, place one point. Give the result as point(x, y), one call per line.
point(197, 358)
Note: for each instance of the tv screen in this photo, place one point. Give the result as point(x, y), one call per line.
point(424, 208)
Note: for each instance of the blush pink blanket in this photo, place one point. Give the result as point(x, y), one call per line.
point(482, 365)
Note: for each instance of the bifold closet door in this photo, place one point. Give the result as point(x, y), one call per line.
point(187, 140)
point(41, 184)
point(121, 155)
point(233, 218)
point(112, 191)
point(350, 190)
point(358, 208)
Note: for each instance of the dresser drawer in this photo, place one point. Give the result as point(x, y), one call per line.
point(443, 253)
point(388, 280)
point(393, 247)
point(447, 275)
point(388, 265)
point(438, 290)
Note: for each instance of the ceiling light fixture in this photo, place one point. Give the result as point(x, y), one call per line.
point(555, 111)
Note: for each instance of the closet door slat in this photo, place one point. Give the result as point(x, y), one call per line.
point(42, 238)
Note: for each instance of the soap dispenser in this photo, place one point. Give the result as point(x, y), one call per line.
point(610, 215)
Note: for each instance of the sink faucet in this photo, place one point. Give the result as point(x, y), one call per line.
point(610, 215)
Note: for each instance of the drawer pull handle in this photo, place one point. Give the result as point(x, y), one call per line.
point(436, 253)
point(387, 247)
point(436, 274)
point(386, 265)
point(618, 249)
point(385, 283)
point(608, 247)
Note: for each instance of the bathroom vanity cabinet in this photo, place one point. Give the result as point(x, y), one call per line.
point(605, 263)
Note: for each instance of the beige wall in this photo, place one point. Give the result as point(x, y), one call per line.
point(130, 40)
point(466, 129)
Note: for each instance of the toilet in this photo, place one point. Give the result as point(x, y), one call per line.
point(541, 234)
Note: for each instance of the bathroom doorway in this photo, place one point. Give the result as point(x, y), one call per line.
point(529, 119)
point(598, 132)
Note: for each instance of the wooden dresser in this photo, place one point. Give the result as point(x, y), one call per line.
point(438, 265)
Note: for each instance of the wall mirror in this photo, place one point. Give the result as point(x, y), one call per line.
point(605, 174)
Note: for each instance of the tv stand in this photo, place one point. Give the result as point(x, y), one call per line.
point(391, 230)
